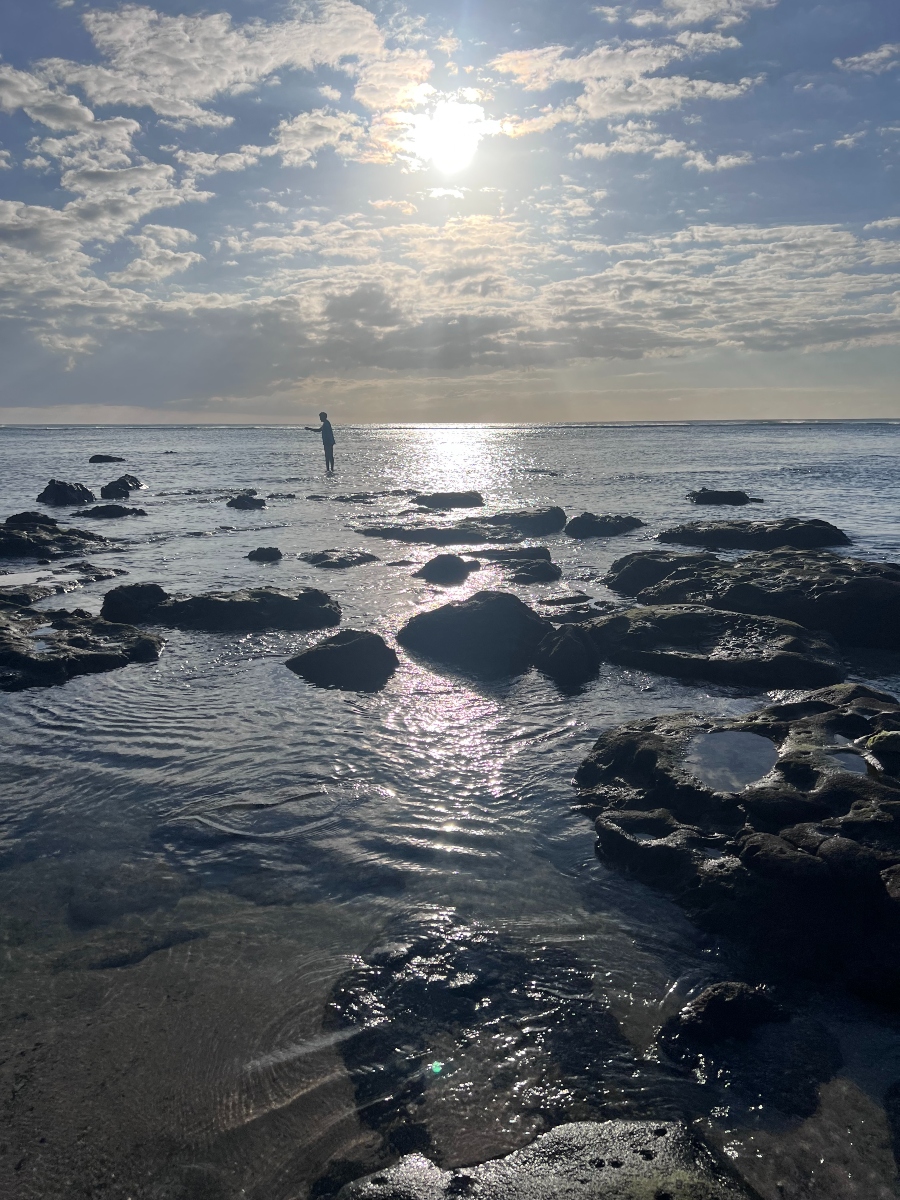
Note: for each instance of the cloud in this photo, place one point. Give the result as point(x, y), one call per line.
point(299, 140)
point(723, 13)
point(53, 108)
point(177, 64)
point(160, 255)
point(887, 223)
point(5, 163)
point(874, 62)
point(642, 137)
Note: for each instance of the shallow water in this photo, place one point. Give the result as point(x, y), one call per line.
point(294, 827)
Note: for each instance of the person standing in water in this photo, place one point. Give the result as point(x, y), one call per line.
point(327, 440)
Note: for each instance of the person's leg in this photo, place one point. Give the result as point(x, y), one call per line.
point(329, 458)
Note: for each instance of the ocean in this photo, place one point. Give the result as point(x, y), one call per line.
point(283, 830)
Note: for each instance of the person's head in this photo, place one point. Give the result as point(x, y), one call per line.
point(323, 416)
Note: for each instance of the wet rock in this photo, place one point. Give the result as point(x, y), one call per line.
point(725, 1010)
point(569, 656)
point(124, 949)
point(49, 648)
point(89, 572)
point(245, 501)
point(798, 863)
point(265, 554)
point(106, 458)
point(693, 641)
point(464, 533)
point(121, 488)
point(60, 493)
point(446, 569)
point(712, 496)
point(110, 512)
point(565, 601)
point(531, 522)
point(353, 660)
point(490, 634)
point(535, 570)
point(449, 499)
point(26, 520)
point(583, 1160)
point(589, 525)
point(248, 610)
point(337, 560)
point(854, 600)
point(23, 595)
point(282, 496)
point(513, 555)
point(757, 535)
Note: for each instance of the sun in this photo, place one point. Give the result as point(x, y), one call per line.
point(449, 136)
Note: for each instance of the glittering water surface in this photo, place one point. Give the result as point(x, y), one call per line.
point(267, 833)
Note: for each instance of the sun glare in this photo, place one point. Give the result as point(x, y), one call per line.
point(449, 136)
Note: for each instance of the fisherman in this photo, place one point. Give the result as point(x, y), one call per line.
point(327, 439)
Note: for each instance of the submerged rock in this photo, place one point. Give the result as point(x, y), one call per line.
point(60, 493)
point(109, 512)
point(798, 859)
point(854, 600)
point(589, 525)
point(712, 496)
point(757, 535)
point(464, 533)
point(725, 1010)
point(43, 649)
point(124, 948)
point(265, 554)
point(337, 560)
point(449, 499)
point(105, 458)
point(532, 522)
point(490, 634)
point(534, 570)
point(446, 569)
point(243, 611)
point(513, 555)
point(105, 894)
point(583, 1160)
point(246, 501)
point(353, 660)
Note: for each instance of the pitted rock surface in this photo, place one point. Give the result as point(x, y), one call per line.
point(855, 601)
point(43, 649)
point(757, 535)
point(585, 1160)
point(801, 863)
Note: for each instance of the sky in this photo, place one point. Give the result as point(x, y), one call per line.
point(499, 211)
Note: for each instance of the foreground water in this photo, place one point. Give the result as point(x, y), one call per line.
point(272, 832)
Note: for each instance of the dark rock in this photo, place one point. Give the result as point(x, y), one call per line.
point(23, 595)
point(757, 535)
point(449, 499)
point(569, 656)
point(711, 496)
point(48, 648)
point(243, 611)
point(854, 600)
point(353, 660)
point(513, 555)
point(490, 634)
point(337, 560)
point(265, 554)
point(446, 569)
point(464, 533)
point(117, 490)
point(535, 570)
point(583, 1160)
point(57, 492)
point(108, 512)
point(564, 601)
point(246, 501)
point(28, 519)
point(532, 522)
point(589, 525)
point(107, 458)
point(798, 864)
point(706, 643)
point(133, 602)
point(282, 496)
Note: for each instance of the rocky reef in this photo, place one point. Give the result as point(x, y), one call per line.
point(246, 610)
point(757, 535)
point(35, 535)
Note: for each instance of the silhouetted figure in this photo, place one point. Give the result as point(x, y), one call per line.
point(327, 439)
